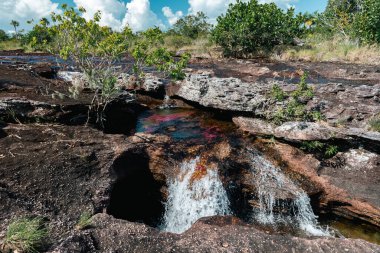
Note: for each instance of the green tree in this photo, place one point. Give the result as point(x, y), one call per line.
point(15, 24)
point(38, 36)
point(366, 25)
point(192, 26)
point(3, 35)
point(95, 50)
point(249, 28)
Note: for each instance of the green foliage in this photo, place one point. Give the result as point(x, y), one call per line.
point(312, 146)
point(277, 93)
point(83, 41)
point(249, 28)
point(39, 36)
point(366, 24)
point(85, 221)
point(374, 123)
point(319, 147)
point(149, 50)
point(176, 41)
point(3, 35)
point(25, 235)
point(15, 24)
point(191, 26)
point(331, 151)
point(295, 103)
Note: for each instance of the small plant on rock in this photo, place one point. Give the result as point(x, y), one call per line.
point(318, 147)
point(375, 123)
point(85, 221)
point(331, 150)
point(294, 106)
point(25, 235)
point(277, 93)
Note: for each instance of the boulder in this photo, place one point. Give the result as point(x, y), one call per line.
point(307, 131)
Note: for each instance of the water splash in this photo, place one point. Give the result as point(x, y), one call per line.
point(273, 185)
point(197, 192)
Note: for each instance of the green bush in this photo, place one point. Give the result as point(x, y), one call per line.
point(294, 104)
point(149, 50)
point(95, 49)
point(366, 26)
point(3, 35)
point(38, 36)
point(249, 28)
point(191, 26)
point(25, 235)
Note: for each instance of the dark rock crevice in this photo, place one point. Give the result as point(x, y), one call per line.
point(135, 195)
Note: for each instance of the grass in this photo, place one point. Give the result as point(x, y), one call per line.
point(375, 124)
point(200, 47)
point(318, 48)
point(25, 235)
point(85, 221)
point(13, 45)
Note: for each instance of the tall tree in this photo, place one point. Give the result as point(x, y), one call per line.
point(15, 24)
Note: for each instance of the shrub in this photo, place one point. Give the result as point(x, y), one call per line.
point(249, 28)
point(149, 50)
point(3, 35)
point(25, 235)
point(366, 24)
point(192, 26)
point(38, 36)
point(95, 50)
point(293, 107)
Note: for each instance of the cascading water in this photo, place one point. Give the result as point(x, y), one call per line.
point(272, 186)
point(197, 192)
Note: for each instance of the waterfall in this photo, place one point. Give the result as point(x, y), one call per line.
point(273, 185)
point(166, 103)
point(196, 192)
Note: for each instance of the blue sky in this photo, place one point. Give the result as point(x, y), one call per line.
point(139, 14)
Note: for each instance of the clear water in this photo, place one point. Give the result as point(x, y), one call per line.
point(185, 125)
point(196, 192)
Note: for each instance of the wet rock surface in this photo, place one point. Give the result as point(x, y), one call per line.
point(53, 166)
point(207, 235)
point(335, 188)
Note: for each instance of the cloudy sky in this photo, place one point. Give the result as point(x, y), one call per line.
point(139, 14)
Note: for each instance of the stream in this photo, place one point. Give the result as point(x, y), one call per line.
point(198, 190)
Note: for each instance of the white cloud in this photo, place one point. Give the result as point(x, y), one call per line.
point(172, 17)
point(112, 11)
point(139, 16)
point(24, 10)
point(214, 8)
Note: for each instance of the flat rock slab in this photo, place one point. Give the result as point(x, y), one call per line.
point(305, 131)
point(207, 235)
point(223, 93)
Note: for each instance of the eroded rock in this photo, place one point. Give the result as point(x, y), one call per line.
point(207, 235)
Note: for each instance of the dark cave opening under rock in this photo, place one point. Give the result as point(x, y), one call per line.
point(136, 195)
